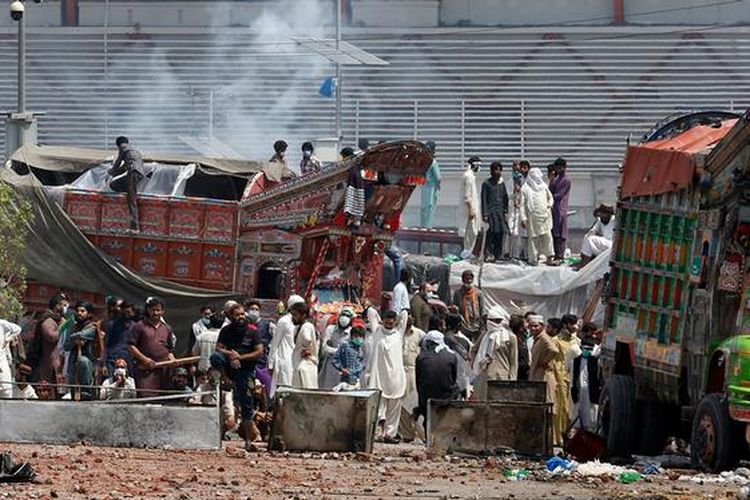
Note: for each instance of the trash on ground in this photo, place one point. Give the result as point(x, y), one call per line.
point(11, 472)
point(629, 477)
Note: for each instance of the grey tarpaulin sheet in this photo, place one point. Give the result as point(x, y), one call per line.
point(59, 254)
point(423, 268)
point(550, 291)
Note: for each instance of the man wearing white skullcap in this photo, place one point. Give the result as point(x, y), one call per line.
point(543, 354)
point(282, 346)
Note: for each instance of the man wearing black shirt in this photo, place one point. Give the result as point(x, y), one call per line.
point(238, 349)
point(437, 371)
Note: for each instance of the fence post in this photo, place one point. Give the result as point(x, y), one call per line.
point(356, 121)
point(463, 132)
point(731, 105)
point(523, 128)
point(416, 119)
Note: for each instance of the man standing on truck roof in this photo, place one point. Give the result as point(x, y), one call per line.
point(536, 217)
point(126, 172)
point(495, 210)
point(560, 189)
point(309, 163)
point(430, 189)
point(470, 223)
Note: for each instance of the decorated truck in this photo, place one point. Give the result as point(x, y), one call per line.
point(212, 229)
point(676, 343)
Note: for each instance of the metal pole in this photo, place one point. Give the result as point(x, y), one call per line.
point(211, 116)
point(356, 121)
point(106, 73)
point(523, 128)
point(338, 71)
point(463, 132)
point(22, 65)
point(416, 119)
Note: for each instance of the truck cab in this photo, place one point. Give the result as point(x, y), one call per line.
point(677, 322)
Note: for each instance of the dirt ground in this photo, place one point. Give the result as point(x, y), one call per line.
point(392, 471)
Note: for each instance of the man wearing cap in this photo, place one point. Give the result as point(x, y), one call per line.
point(470, 303)
point(119, 385)
point(282, 346)
point(470, 221)
point(150, 342)
point(600, 236)
point(436, 371)
point(543, 354)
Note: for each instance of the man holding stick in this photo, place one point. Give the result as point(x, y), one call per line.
point(150, 343)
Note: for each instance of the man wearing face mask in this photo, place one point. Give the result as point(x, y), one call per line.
point(306, 347)
point(348, 359)
point(586, 386)
point(150, 342)
point(237, 352)
point(202, 324)
point(386, 370)
point(81, 344)
point(309, 163)
point(329, 345)
point(119, 385)
point(42, 353)
point(266, 331)
point(470, 221)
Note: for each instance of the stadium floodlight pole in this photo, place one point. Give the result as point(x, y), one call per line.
point(17, 9)
point(338, 71)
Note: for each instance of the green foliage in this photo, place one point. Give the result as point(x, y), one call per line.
point(15, 215)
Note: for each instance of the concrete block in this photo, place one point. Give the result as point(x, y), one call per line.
point(110, 424)
point(484, 427)
point(326, 421)
point(517, 390)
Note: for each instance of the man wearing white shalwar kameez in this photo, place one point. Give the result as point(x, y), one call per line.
point(386, 370)
point(470, 221)
point(600, 236)
point(282, 346)
point(306, 346)
point(8, 332)
point(412, 347)
point(536, 217)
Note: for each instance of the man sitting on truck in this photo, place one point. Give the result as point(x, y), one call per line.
point(600, 236)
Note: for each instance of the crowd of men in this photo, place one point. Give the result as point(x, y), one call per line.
point(531, 222)
point(410, 351)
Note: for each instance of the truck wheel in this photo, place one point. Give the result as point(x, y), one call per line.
point(618, 415)
point(712, 436)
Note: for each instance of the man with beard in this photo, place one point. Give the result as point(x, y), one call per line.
point(470, 303)
point(543, 354)
point(600, 236)
point(386, 370)
point(560, 189)
point(42, 353)
point(282, 345)
point(420, 308)
point(82, 346)
point(495, 210)
point(306, 346)
point(237, 352)
point(150, 342)
point(116, 339)
point(469, 207)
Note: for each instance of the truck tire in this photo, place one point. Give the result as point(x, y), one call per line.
point(713, 434)
point(618, 415)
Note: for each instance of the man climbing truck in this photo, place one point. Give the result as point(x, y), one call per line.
point(676, 348)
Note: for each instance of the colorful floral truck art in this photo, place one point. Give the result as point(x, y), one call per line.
point(676, 344)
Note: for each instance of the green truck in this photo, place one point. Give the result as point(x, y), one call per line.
point(676, 342)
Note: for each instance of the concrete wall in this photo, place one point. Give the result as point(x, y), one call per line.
point(524, 12)
point(109, 424)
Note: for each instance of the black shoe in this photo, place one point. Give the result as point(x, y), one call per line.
point(391, 440)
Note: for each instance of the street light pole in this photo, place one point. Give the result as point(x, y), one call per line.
point(338, 72)
point(22, 65)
